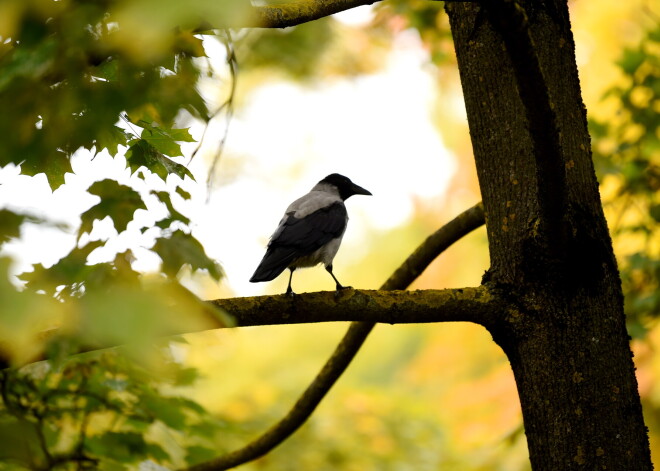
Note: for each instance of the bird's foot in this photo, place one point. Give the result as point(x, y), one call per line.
point(290, 293)
point(341, 288)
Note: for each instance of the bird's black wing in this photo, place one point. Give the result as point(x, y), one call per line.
point(298, 237)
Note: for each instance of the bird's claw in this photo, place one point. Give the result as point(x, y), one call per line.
point(341, 288)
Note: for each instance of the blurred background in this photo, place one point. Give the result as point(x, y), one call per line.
point(372, 93)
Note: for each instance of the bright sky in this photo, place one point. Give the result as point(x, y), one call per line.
point(375, 129)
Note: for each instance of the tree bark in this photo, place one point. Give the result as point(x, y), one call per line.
point(549, 245)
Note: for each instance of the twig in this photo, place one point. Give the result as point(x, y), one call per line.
point(228, 105)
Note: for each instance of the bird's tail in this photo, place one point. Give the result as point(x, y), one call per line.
point(274, 262)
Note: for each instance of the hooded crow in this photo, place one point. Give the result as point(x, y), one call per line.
point(310, 231)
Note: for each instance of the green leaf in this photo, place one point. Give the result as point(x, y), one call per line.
point(654, 35)
point(68, 270)
point(631, 60)
point(108, 70)
point(199, 454)
point(165, 410)
point(10, 224)
point(26, 62)
point(53, 166)
point(134, 315)
point(157, 453)
point(186, 377)
point(164, 139)
point(125, 447)
point(165, 223)
point(183, 249)
point(655, 212)
point(598, 129)
point(108, 465)
point(164, 197)
point(19, 440)
point(24, 316)
point(142, 154)
point(111, 138)
point(119, 202)
point(205, 428)
point(182, 193)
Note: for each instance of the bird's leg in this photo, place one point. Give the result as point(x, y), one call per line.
point(339, 285)
point(289, 291)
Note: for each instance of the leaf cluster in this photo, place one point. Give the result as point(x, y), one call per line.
point(119, 78)
point(100, 412)
point(67, 75)
point(72, 78)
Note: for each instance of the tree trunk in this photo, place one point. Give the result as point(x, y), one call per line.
point(551, 254)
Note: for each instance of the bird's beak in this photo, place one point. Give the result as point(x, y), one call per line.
point(358, 190)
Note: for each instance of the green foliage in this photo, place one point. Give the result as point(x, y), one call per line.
point(118, 202)
point(117, 77)
point(11, 222)
point(143, 154)
point(296, 51)
point(165, 140)
point(180, 249)
point(67, 76)
point(321, 49)
point(96, 412)
point(628, 148)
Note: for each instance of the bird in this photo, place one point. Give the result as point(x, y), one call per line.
point(310, 231)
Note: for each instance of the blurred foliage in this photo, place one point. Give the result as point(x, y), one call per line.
point(627, 155)
point(295, 51)
point(68, 74)
point(427, 18)
point(83, 74)
point(326, 47)
point(117, 77)
point(320, 49)
point(100, 411)
point(626, 147)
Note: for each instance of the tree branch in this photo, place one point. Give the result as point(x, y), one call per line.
point(373, 306)
point(357, 333)
point(283, 15)
point(434, 245)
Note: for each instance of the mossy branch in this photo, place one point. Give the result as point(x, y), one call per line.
point(391, 307)
point(284, 15)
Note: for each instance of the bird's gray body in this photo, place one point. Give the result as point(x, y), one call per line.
point(311, 230)
point(322, 196)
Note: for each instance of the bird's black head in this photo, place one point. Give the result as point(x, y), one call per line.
point(345, 186)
